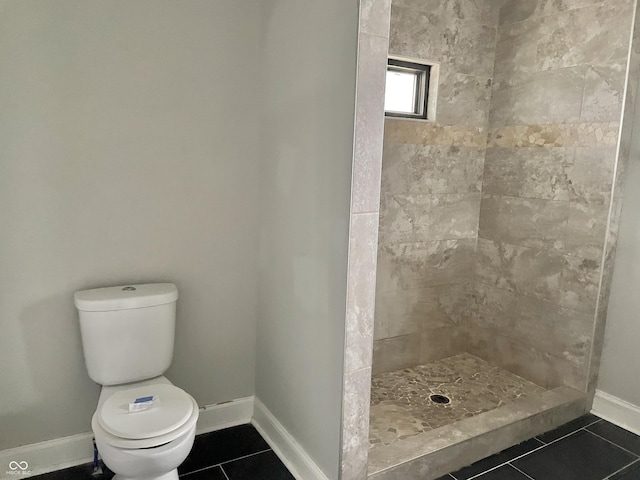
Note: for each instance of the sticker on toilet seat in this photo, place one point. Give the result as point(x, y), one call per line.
point(144, 403)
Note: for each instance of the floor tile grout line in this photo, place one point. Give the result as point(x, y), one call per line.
point(541, 446)
point(568, 434)
point(222, 463)
point(224, 473)
point(614, 443)
point(246, 456)
point(523, 473)
point(621, 469)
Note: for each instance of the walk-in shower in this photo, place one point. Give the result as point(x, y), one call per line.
point(496, 227)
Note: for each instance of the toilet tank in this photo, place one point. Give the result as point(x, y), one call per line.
point(127, 331)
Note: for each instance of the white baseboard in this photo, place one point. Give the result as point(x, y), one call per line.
point(295, 458)
point(65, 452)
point(45, 457)
point(225, 415)
point(617, 411)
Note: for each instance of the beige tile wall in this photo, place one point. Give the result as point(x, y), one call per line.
point(431, 185)
point(493, 219)
point(557, 98)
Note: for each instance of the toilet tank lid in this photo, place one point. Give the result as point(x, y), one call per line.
point(125, 297)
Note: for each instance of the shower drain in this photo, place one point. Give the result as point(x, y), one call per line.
point(442, 399)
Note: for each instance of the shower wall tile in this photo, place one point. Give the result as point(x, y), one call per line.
point(591, 176)
point(442, 342)
point(369, 123)
point(555, 135)
point(466, 43)
point(404, 218)
point(432, 177)
point(419, 132)
point(483, 13)
point(586, 230)
point(560, 331)
point(527, 222)
point(526, 271)
point(596, 34)
point(420, 218)
point(419, 265)
point(513, 12)
point(541, 97)
point(403, 312)
point(395, 353)
point(463, 99)
point(355, 424)
point(544, 275)
point(534, 364)
point(603, 92)
point(529, 172)
point(420, 169)
point(374, 17)
point(454, 216)
point(360, 302)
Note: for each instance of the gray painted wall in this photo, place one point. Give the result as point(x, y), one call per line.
point(308, 73)
point(128, 153)
point(621, 356)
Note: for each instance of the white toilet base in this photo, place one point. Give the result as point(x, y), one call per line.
point(172, 475)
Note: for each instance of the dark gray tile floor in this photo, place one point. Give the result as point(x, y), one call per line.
point(588, 448)
point(237, 453)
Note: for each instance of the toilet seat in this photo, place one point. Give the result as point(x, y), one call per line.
point(175, 415)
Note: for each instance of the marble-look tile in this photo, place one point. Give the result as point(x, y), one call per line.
point(404, 218)
point(465, 44)
point(419, 265)
point(528, 172)
point(555, 135)
point(401, 407)
point(355, 424)
point(586, 229)
point(603, 92)
point(374, 17)
point(454, 216)
point(369, 124)
point(527, 222)
point(512, 12)
point(412, 33)
point(420, 218)
point(553, 96)
point(532, 363)
point(361, 291)
point(548, 276)
point(406, 312)
point(526, 271)
point(403, 312)
point(560, 331)
point(442, 342)
point(482, 12)
point(463, 99)
point(421, 169)
point(429, 133)
point(395, 353)
point(579, 283)
point(594, 35)
point(431, 454)
point(591, 175)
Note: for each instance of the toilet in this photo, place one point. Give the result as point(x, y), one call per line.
point(144, 426)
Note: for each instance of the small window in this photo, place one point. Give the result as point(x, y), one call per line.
point(407, 89)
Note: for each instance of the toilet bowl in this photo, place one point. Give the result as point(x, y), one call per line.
point(146, 445)
point(127, 337)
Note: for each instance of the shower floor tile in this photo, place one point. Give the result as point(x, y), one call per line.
point(400, 401)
